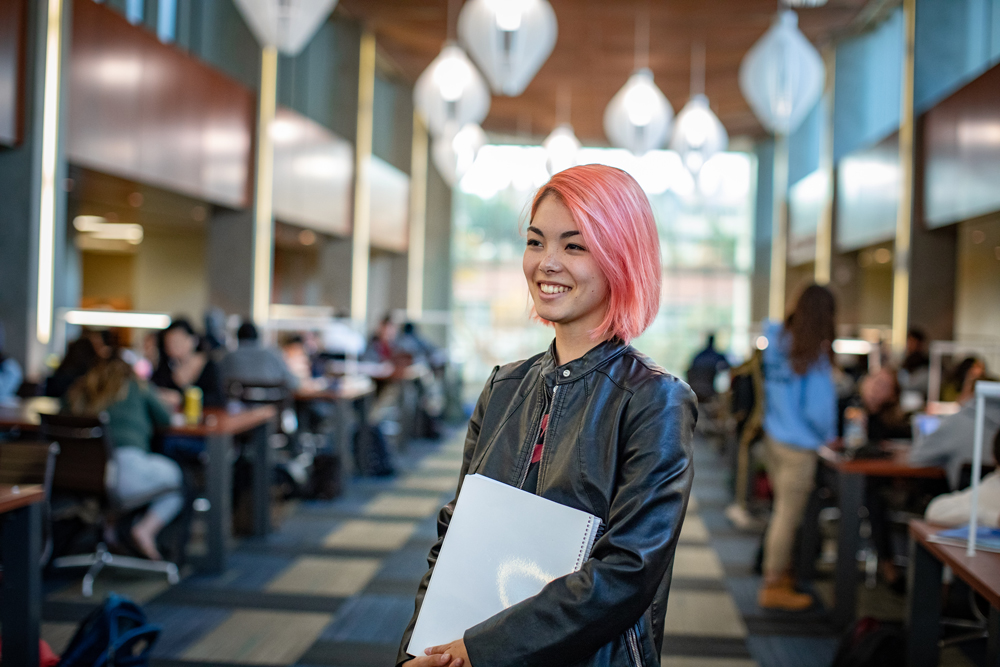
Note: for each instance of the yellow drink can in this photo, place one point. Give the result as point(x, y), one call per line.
point(192, 406)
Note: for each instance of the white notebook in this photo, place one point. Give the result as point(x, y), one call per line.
point(502, 546)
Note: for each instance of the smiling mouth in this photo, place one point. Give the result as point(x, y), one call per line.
point(548, 288)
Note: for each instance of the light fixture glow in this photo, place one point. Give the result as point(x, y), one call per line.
point(285, 25)
point(852, 346)
point(509, 40)
point(638, 117)
point(782, 76)
point(561, 149)
point(761, 342)
point(454, 152)
point(100, 228)
point(50, 144)
point(451, 90)
point(117, 318)
point(698, 134)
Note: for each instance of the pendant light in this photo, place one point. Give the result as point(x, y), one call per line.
point(454, 151)
point(782, 76)
point(638, 116)
point(561, 146)
point(285, 24)
point(698, 134)
point(451, 90)
point(509, 39)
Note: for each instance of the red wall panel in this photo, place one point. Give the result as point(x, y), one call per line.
point(144, 110)
point(12, 35)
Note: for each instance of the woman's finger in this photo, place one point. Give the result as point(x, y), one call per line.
point(433, 650)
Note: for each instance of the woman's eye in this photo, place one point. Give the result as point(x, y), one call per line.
point(534, 242)
point(573, 246)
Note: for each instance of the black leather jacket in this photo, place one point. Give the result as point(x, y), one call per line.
point(618, 445)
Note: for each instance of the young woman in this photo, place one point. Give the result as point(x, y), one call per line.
point(142, 477)
point(800, 415)
point(592, 424)
point(182, 365)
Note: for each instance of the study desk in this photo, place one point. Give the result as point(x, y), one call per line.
point(351, 402)
point(20, 546)
point(927, 560)
point(218, 428)
point(852, 476)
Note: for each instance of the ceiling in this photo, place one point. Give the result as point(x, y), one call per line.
point(595, 52)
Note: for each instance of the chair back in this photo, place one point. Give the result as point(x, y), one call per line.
point(23, 462)
point(258, 393)
point(84, 452)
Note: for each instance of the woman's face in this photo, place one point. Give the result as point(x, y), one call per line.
point(567, 286)
point(178, 344)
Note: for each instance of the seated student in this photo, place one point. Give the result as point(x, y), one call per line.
point(142, 477)
point(10, 373)
point(182, 365)
point(253, 364)
point(954, 509)
point(951, 445)
point(914, 372)
point(82, 354)
point(880, 393)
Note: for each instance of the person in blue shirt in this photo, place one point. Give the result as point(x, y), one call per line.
point(800, 415)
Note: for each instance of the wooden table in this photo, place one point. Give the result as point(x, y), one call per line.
point(851, 480)
point(21, 547)
point(351, 403)
point(218, 428)
point(927, 559)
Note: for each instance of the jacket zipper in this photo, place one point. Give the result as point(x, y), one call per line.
point(632, 645)
point(534, 441)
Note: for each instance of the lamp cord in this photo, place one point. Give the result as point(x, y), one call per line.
point(453, 8)
point(697, 68)
point(642, 36)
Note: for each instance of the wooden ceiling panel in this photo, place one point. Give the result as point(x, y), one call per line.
point(595, 53)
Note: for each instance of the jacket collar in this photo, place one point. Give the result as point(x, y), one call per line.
point(573, 370)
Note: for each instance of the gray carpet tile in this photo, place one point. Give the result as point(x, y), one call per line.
point(779, 651)
point(373, 619)
point(182, 626)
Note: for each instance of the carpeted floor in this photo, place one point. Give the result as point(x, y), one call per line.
point(334, 585)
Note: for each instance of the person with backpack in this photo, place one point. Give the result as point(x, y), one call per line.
point(800, 415)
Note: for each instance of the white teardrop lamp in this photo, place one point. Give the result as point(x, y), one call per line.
point(285, 24)
point(638, 117)
point(510, 40)
point(561, 149)
point(782, 76)
point(454, 151)
point(698, 134)
point(451, 90)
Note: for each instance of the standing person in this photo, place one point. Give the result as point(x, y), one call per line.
point(592, 424)
point(800, 415)
point(183, 365)
point(704, 367)
point(142, 477)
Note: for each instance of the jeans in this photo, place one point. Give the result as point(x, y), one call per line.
point(792, 471)
point(143, 477)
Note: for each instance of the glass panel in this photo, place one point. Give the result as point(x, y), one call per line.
point(134, 11)
point(166, 20)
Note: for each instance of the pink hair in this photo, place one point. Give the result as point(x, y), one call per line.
point(616, 221)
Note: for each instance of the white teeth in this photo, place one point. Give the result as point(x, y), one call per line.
point(553, 289)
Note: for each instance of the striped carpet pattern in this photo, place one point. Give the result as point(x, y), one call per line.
point(334, 584)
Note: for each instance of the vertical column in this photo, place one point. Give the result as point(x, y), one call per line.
point(362, 183)
point(824, 231)
point(263, 237)
point(904, 215)
point(779, 233)
point(418, 220)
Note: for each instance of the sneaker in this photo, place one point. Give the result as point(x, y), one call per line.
point(781, 596)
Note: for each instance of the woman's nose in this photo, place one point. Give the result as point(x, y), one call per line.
point(550, 262)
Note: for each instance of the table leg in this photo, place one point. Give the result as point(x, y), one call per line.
point(993, 643)
point(345, 441)
point(923, 612)
point(261, 451)
point(21, 612)
point(809, 538)
point(219, 482)
point(851, 488)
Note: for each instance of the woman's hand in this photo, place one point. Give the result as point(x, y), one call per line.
point(445, 659)
point(456, 649)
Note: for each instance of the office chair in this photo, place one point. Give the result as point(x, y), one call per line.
point(24, 462)
point(85, 466)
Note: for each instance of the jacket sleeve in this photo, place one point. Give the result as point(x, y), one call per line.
point(444, 516)
point(821, 403)
point(575, 615)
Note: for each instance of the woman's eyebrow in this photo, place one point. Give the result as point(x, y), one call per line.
point(564, 235)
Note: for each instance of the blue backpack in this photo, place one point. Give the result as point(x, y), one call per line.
point(115, 634)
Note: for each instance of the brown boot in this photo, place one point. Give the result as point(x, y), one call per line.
point(781, 595)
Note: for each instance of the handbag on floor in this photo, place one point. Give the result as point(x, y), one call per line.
point(116, 634)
